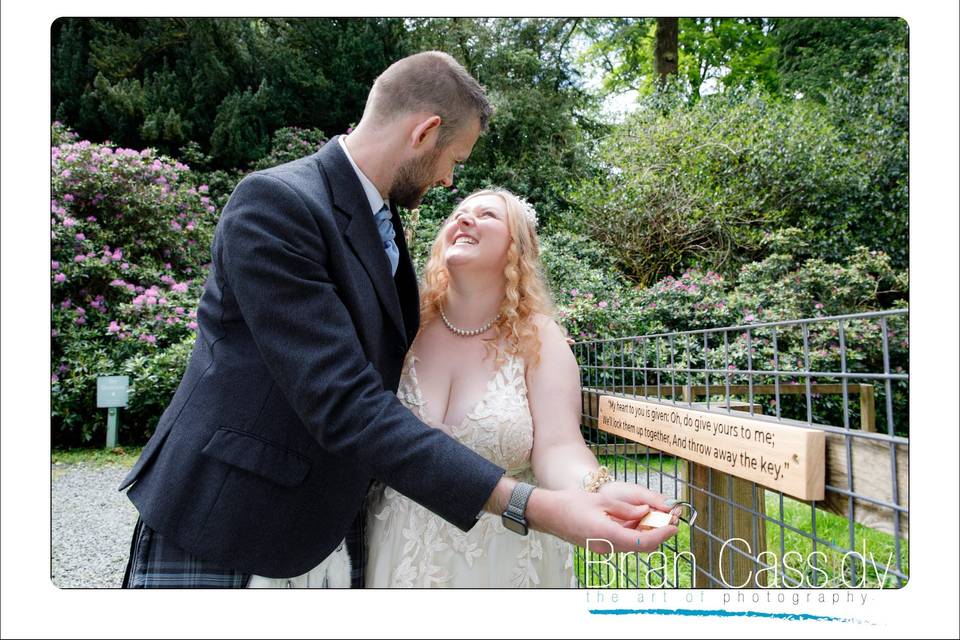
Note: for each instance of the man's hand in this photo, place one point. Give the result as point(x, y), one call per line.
point(575, 515)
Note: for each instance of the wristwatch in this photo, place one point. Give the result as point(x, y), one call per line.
point(514, 518)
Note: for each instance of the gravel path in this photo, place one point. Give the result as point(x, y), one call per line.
point(92, 523)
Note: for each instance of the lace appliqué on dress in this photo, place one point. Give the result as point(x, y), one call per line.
point(499, 427)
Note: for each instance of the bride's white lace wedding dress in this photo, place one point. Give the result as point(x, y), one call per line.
point(409, 546)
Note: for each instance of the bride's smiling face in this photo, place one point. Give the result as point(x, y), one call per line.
point(477, 234)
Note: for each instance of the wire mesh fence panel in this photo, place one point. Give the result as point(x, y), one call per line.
point(845, 376)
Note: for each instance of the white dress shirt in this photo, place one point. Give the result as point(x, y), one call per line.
point(373, 195)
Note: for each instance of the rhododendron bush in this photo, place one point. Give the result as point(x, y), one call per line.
point(130, 243)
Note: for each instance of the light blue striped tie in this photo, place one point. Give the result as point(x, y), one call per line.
point(387, 234)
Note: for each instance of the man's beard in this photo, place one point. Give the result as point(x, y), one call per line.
point(413, 180)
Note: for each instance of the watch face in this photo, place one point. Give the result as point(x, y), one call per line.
point(515, 525)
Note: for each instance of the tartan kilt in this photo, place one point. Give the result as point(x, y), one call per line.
point(357, 547)
point(156, 563)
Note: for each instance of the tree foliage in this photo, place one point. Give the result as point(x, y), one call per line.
point(537, 143)
point(815, 52)
point(224, 83)
point(826, 151)
point(714, 54)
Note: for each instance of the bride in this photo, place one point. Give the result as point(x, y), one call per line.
point(491, 368)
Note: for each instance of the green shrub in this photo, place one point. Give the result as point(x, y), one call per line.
point(780, 287)
point(699, 186)
point(872, 113)
point(593, 300)
point(130, 239)
point(289, 144)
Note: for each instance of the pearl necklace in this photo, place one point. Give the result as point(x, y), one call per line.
point(466, 333)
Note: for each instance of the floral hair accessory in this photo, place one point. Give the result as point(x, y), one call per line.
point(528, 211)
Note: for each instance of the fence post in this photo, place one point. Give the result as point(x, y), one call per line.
point(868, 409)
point(723, 503)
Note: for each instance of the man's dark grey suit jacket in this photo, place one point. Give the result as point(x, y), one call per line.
point(288, 406)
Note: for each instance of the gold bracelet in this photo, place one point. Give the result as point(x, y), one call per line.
point(592, 482)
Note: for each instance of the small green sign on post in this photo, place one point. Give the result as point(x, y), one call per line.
point(112, 393)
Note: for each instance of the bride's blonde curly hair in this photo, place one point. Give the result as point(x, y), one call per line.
point(526, 293)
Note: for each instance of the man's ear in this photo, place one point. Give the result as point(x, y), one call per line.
point(424, 130)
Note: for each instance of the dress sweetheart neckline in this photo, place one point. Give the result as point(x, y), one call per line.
point(422, 403)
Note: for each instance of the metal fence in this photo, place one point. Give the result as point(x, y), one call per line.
point(844, 375)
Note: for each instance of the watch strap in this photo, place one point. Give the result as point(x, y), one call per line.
point(517, 506)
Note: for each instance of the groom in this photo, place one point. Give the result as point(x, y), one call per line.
point(287, 409)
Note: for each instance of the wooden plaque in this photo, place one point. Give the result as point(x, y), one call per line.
point(781, 457)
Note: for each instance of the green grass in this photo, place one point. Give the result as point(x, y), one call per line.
point(124, 456)
point(662, 568)
point(629, 469)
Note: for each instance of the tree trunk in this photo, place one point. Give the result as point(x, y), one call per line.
point(665, 48)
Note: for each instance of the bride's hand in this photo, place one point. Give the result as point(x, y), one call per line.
point(635, 494)
point(578, 516)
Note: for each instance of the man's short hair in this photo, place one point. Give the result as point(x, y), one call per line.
point(429, 81)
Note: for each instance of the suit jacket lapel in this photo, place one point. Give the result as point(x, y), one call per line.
point(361, 231)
